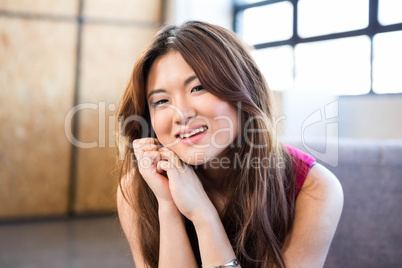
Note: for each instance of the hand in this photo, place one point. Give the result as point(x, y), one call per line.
point(185, 187)
point(148, 156)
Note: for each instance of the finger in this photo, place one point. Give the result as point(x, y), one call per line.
point(170, 156)
point(164, 166)
point(148, 147)
point(139, 143)
point(152, 141)
point(154, 155)
point(139, 148)
point(145, 163)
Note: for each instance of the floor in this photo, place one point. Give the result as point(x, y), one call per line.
point(70, 243)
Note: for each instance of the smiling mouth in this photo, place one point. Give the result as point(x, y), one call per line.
point(193, 132)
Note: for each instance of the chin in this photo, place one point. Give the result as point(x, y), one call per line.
point(196, 162)
point(200, 158)
point(192, 160)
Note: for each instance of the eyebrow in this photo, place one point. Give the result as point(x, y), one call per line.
point(186, 82)
point(156, 91)
point(189, 80)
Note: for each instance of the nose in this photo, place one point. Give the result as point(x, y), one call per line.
point(184, 114)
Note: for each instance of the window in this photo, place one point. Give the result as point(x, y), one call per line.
point(338, 65)
point(277, 64)
point(319, 17)
point(339, 46)
point(387, 62)
point(390, 11)
point(270, 16)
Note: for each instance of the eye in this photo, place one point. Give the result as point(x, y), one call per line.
point(160, 102)
point(197, 88)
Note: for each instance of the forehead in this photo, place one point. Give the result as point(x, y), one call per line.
point(168, 68)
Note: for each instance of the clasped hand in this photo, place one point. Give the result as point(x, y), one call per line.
point(171, 180)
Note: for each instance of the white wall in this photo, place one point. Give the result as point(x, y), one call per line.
point(218, 12)
point(312, 115)
point(308, 115)
point(371, 116)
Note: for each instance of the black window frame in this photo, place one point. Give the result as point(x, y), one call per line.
point(374, 27)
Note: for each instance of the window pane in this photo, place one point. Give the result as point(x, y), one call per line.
point(387, 62)
point(340, 66)
point(268, 23)
point(320, 17)
point(247, 1)
point(277, 66)
point(389, 11)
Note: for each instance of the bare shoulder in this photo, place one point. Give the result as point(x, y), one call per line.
point(128, 218)
point(322, 184)
point(318, 210)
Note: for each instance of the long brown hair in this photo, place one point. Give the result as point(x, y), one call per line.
point(259, 208)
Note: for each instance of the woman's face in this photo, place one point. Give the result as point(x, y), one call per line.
point(186, 117)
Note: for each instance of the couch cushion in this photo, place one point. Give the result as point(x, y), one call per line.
point(369, 233)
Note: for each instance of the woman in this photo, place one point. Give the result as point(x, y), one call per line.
point(205, 179)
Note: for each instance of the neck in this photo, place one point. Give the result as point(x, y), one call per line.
point(215, 182)
point(214, 177)
point(217, 174)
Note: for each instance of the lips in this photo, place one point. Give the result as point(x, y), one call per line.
point(189, 132)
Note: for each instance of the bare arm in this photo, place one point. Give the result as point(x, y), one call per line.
point(318, 210)
point(192, 201)
point(180, 193)
point(127, 218)
point(175, 249)
point(214, 244)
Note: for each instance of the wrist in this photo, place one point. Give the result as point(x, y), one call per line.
point(168, 209)
point(215, 247)
point(206, 217)
point(233, 263)
point(167, 206)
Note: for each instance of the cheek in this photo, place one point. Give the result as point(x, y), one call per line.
point(228, 129)
point(161, 124)
point(228, 117)
point(225, 123)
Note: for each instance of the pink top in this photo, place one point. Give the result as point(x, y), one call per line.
point(302, 163)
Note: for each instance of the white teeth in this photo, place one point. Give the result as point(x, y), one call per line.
point(195, 131)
